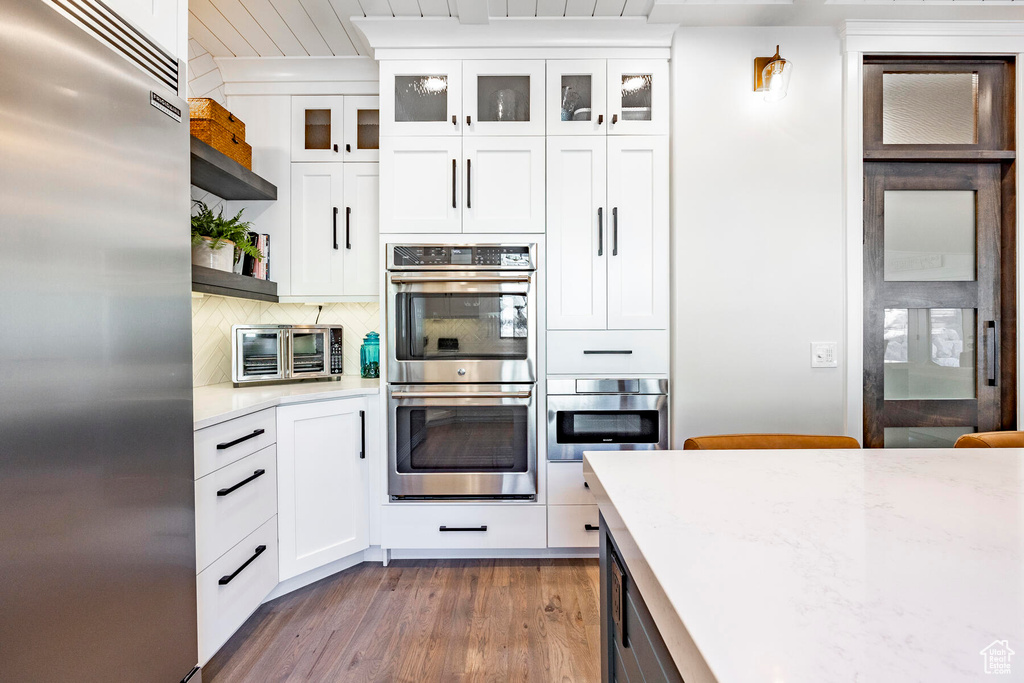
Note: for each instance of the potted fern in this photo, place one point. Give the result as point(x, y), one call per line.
point(215, 238)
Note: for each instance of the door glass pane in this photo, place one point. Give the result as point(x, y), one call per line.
point(367, 129)
point(308, 352)
point(576, 97)
point(421, 98)
point(636, 97)
point(930, 235)
point(929, 108)
point(924, 437)
point(318, 129)
point(503, 98)
point(462, 326)
point(595, 426)
point(929, 353)
point(259, 354)
point(462, 439)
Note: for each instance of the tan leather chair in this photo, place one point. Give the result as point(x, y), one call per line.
point(766, 441)
point(991, 440)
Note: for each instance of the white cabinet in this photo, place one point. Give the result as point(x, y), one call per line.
point(419, 184)
point(318, 128)
point(362, 128)
point(608, 246)
point(421, 97)
point(638, 102)
point(334, 229)
point(504, 184)
point(576, 98)
point(607, 97)
point(322, 483)
point(503, 97)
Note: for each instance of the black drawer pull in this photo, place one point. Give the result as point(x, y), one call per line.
point(462, 528)
point(229, 444)
point(608, 352)
point(225, 580)
point(255, 475)
point(591, 527)
point(586, 485)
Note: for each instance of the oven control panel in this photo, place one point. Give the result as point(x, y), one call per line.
point(461, 257)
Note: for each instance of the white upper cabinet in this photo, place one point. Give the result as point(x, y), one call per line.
point(420, 184)
point(156, 18)
point(576, 97)
point(577, 233)
point(638, 278)
point(503, 184)
point(317, 239)
point(638, 102)
point(362, 192)
point(317, 128)
point(421, 97)
point(362, 129)
point(503, 97)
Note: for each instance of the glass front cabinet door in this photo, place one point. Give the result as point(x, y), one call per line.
point(637, 97)
point(317, 132)
point(576, 101)
point(421, 97)
point(503, 97)
point(362, 128)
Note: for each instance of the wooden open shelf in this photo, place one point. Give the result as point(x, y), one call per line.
point(215, 172)
point(210, 281)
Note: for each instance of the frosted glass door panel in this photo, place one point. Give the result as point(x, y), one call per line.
point(362, 128)
point(503, 184)
point(503, 97)
point(638, 97)
point(420, 97)
point(930, 353)
point(576, 97)
point(420, 182)
point(924, 437)
point(929, 108)
point(318, 129)
point(930, 235)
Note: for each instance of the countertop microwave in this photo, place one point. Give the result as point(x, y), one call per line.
point(276, 353)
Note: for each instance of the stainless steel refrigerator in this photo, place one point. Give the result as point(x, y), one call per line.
point(97, 562)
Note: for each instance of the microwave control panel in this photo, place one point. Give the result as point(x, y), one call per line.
point(336, 351)
point(463, 257)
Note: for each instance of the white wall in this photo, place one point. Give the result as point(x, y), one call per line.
point(757, 234)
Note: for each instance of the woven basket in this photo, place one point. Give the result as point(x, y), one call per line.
point(205, 108)
point(223, 141)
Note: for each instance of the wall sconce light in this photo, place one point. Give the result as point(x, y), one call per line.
point(771, 76)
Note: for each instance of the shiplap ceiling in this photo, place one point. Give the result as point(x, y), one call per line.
point(321, 28)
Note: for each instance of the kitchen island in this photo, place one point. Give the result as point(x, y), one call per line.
point(814, 565)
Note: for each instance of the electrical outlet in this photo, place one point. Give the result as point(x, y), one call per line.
point(824, 355)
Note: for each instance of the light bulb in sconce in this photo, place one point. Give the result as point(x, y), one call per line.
point(771, 76)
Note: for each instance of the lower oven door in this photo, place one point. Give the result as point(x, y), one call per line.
point(610, 422)
point(470, 441)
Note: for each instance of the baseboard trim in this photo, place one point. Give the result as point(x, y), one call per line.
point(491, 553)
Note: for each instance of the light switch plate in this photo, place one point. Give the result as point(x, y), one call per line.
point(824, 355)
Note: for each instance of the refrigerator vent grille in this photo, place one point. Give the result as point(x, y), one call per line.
point(122, 37)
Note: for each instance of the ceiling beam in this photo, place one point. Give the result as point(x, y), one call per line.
point(473, 12)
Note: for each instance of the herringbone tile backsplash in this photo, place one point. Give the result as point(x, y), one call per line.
point(213, 316)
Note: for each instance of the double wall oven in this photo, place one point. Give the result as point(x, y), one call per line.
point(462, 371)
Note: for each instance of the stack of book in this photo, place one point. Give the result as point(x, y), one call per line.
point(250, 266)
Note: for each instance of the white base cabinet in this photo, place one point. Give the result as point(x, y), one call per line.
point(323, 484)
point(572, 508)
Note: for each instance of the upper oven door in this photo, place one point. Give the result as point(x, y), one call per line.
point(309, 352)
point(461, 327)
point(614, 422)
point(257, 354)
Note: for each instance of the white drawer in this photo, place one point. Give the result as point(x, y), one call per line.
point(223, 608)
point(637, 352)
point(567, 526)
point(229, 441)
point(507, 526)
point(224, 520)
point(566, 485)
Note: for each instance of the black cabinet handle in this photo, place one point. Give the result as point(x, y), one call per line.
point(335, 148)
point(586, 485)
point(255, 475)
point(991, 360)
point(225, 580)
point(348, 148)
point(229, 444)
point(615, 231)
point(362, 428)
point(348, 227)
point(335, 227)
point(600, 119)
point(591, 527)
point(455, 179)
point(608, 352)
point(462, 528)
point(469, 183)
point(469, 120)
point(455, 121)
point(600, 231)
point(615, 118)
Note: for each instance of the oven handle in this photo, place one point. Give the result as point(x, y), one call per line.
point(419, 279)
point(461, 394)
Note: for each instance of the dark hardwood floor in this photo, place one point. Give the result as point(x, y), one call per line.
point(426, 621)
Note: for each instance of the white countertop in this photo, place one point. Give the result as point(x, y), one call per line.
point(818, 565)
point(219, 402)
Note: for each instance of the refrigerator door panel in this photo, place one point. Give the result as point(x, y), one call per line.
point(96, 490)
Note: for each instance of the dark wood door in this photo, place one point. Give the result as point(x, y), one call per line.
point(932, 308)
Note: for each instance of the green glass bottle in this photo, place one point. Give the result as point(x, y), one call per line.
point(369, 356)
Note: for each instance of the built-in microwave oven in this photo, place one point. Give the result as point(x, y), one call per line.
point(272, 353)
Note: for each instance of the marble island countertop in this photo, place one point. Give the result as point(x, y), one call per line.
point(816, 566)
point(220, 402)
